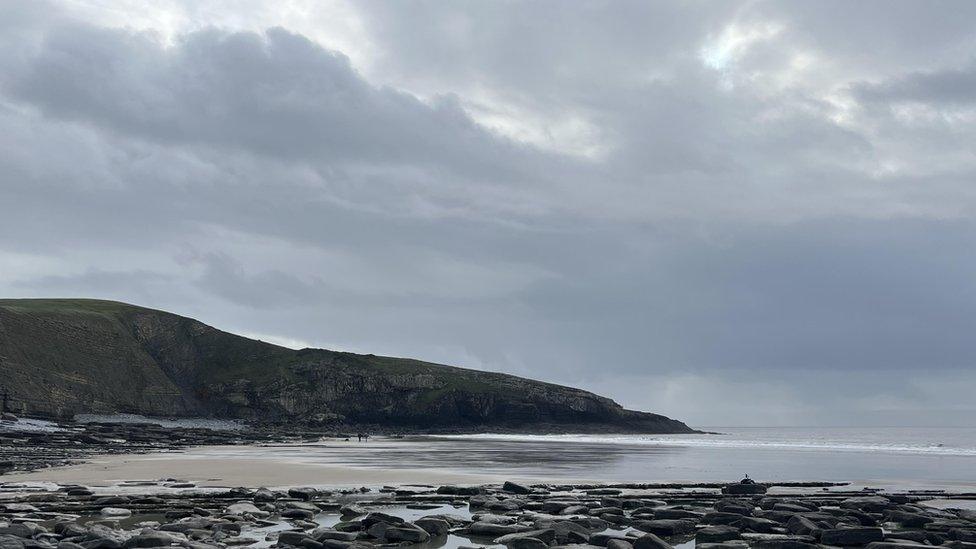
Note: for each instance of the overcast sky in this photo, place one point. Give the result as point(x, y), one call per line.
point(733, 213)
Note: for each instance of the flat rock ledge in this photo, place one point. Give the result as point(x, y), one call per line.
point(172, 513)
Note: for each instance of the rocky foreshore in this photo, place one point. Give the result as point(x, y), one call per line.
point(517, 516)
point(69, 444)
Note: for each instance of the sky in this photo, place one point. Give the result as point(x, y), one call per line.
point(731, 213)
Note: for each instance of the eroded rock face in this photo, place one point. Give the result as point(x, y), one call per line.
point(89, 356)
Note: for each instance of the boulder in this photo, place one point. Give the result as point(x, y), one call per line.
point(406, 532)
point(784, 544)
point(527, 543)
point(801, 525)
point(761, 525)
point(619, 544)
point(896, 545)
point(514, 488)
point(851, 536)
point(731, 544)
point(677, 514)
point(150, 538)
point(305, 493)
point(245, 508)
point(547, 536)
point(743, 489)
point(909, 520)
point(666, 527)
point(487, 529)
point(434, 526)
point(719, 517)
point(292, 538)
point(650, 541)
point(716, 534)
point(869, 504)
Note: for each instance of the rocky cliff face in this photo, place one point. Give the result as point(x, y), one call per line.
point(62, 357)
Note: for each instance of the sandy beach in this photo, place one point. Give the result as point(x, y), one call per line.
point(205, 467)
point(478, 460)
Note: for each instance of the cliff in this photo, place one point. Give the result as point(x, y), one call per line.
point(60, 357)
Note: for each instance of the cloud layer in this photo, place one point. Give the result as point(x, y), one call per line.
point(684, 206)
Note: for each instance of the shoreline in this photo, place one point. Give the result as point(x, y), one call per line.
point(250, 466)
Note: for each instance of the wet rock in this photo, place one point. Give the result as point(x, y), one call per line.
point(801, 525)
point(619, 544)
point(546, 536)
point(460, 490)
point(743, 489)
point(377, 516)
point(677, 514)
point(514, 488)
point(960, 534)
point(304, 493)
point(567, 531)
point(485, 529)
point(909, 520)
point(733, 544)
point(292, 538)
point(407, 532)
point(601, 539)
point(527, 543)
point(297, 514)
point(784, 544)
point(377, 530)
point(666, 527)
point(351, 510)
point(153, 539)
point(716, 534)
point(116, 512)
point(760, 525)
point(719, 517)
point(651, 541)
point(851, 536)
point(896, 545)
point(870, 504)
point(264, 495)
point(736, 506)
point(245, 508)
point(434, 526)
point(323, 533)
point(20, 530)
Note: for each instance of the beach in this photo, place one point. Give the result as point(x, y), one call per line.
point(743, 489)
point(895, 459)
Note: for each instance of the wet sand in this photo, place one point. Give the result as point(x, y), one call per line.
point(437, 460)
point(206, 467)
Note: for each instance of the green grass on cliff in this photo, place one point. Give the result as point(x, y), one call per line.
point(68, 306)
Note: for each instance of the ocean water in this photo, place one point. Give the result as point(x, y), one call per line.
point(902, 458)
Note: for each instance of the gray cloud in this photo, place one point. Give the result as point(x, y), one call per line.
point(674, 204)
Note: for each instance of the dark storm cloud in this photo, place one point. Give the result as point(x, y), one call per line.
point(679, 205)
